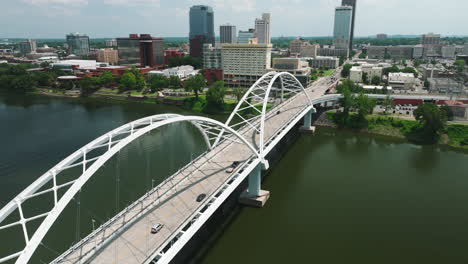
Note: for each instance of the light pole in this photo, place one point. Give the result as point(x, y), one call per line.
point(95, 239)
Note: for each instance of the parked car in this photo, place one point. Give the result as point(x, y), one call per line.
point(155, 229)
point(233, 166)
point(201, 197)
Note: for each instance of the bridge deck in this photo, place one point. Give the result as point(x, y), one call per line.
point(207, 174)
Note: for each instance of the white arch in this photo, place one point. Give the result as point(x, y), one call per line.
point(134, 131)
point(261, 90)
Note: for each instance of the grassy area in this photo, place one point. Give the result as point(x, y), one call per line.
point(328, 73)
point(454, 135)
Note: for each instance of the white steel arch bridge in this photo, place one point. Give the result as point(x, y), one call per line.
point(264, 115)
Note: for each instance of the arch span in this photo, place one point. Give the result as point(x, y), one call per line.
point(113, 142)
point(256, 100)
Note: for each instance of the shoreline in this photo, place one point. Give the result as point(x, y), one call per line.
point(323, 121)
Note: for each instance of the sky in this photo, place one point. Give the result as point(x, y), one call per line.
point(169, 18)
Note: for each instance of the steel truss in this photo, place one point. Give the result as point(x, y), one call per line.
point(109, 145)
point(252, 108)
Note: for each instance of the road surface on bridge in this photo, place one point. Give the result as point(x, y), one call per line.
point(206, 175)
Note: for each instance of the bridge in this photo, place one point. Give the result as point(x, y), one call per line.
point(263, 117)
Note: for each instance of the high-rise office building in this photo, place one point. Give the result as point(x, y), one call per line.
point(430, 39)
point(228, 34)
point(342, 31)
point(143, 50)
point(262, 29)
point(351, 3)
point(78, 44)
point(108, 55)
point(27, 46)
point(201, 29)
point(245, 37)
point(244, 64)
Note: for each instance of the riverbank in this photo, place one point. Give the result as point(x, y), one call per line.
point(454, 136)
point(189, 103)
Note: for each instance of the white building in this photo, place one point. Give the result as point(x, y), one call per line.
point(70, 65)
point(243, 64)
point(211, 57)
point(401, 81)
point(182, 72)
point(309, 50)
point(356, 73)
point(262, 29)
point(448, 52)
point(323, 62)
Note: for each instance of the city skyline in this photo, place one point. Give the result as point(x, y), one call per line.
point(103, 18)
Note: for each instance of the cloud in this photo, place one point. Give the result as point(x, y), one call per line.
point(57, 2)
point(234, 5)
point(152, 3)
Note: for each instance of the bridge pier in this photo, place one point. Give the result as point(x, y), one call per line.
point(254, 196)
point(308, 128)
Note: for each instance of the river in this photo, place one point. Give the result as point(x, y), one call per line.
point(336, 197)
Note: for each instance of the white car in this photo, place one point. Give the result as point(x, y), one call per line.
point(155, 229)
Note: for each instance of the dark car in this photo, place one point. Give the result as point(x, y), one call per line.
point(233, 166)
point(201, 197)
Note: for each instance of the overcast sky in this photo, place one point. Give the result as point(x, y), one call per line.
point(169, 18)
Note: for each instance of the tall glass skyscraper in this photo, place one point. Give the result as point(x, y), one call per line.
point(351, 3)
point(342, 32)
point(202, 23)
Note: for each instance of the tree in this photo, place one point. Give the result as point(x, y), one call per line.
point(364, 105)
point(349, 85)
point(174, 82)
point(239, 93)
point(375, 80)
point(432, 119)
point(157, 82)
point(106, 78)
point(89, 85)
point(44, 78)
point(127, 82)
point(447, 112)
point(365, 78)
point(387, 104)
point(140, 83)
point(460, 64)
point(179, 61)
point(195, 84)
point(346, 70)
point(22, 83)
point(215, 95)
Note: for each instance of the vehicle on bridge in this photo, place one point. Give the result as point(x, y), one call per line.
point(156, 228)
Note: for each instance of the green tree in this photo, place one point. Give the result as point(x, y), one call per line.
point(365, 78)
point(239, 93)
point(44, 78)
point(387, 104)
point(89, 85)
point(195, 84)
point(364, 105)
point(432, 119)
point(460, 64)
point(140, 83)
point(157, 82)
point(215, 96)
point(447, 112)
point(106, 79)
point(346, 70)
point(127, 82)
point(375, 80)
point(174, 82)
point(23, 83)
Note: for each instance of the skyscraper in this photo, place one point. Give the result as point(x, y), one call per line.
point(201, 27)
point(78, 44)
point(141, 50)
point(351, 3)
point(342, 31)
point(262, 28)
point(228, 34)
point(27, 46)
